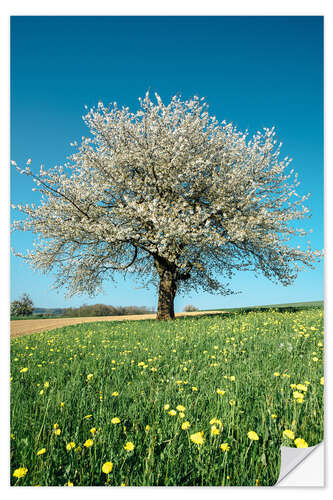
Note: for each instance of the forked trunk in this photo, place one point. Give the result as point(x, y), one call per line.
point(166, 293)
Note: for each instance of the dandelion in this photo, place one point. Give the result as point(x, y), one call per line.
point(46, 384)
point(214, 431)
point(115, 420)
point(70, 446)
point(298, 395)
point(69, 483)
point(276, 374)
point(232, 378)
point(301, 387)
point(232, 402)
point(172, 413)
point(166, 407)
point(287, 433)
point(194, 389)
point(115, 394)
point(181, 414)
point(315, 359)
point(23, 370)
point(322, 380)
point(93, 430)
point(273, 415)
point(107, 467)
point(216, 421)
point(87, 417)
point(41, 392)
point(147, 428)
point(62, 404)
point(198, 438)
point(225, 447)
point(20, 472)
point(300, 443)
point(186, 425)
point(180, 408)
point(220, 391)
point(57, 432)
point(253, 436)
point(129, 446)
point(89, 376)
point(41, 451)
point(88, 443)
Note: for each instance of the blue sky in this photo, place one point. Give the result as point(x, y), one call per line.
point(254, 71)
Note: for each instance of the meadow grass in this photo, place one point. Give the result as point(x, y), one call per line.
point(159, 386)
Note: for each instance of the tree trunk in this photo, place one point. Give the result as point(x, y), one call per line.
point(166, 293)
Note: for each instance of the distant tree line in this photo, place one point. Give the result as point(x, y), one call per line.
point(24, 307)
point(104, 310)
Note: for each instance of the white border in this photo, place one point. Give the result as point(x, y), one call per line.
point(134, 7)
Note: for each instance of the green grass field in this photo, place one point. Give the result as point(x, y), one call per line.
point(158, 400)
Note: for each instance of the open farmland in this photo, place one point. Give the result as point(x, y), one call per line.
point(28, 326)
point(196, 401)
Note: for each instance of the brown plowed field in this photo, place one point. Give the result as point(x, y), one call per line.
point(27, 326)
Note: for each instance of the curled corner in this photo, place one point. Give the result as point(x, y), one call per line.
point(291, 458)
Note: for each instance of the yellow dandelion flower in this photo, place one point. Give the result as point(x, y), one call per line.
point(214, 431)
point(147, 428)
point(70, 446)
point(301, 387)
point(298, 395)
point(225, 447)
point(194, 389)
point(322, 380)
point(20, 472)
point(315, 359)
point(220, 391)
point(166, 407)
point(88, 443)
point(216, 421)
point(181, 414)
point(276, 374)
point(62, 404)
point(89, 376)
point(172, 413)
point(69, 483)
point(41, 451)
point(300, 443)
point(93, 430)
point(232, 378)
point(23, 370)
point(129, 446)
point(232, 402)
point(107, 467)
point(46, 384)
point(57, 432)
point(115, 420)
point(87, 417)
point(273, 415)
point(253, 436)
point(198, 438)
point(115, 394)
point(180, 408)
point(287, 433)
point(186, 425)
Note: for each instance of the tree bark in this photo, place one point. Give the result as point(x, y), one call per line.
point(166, 293)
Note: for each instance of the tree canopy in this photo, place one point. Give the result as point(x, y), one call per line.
point(170, 194)
point(22, 307)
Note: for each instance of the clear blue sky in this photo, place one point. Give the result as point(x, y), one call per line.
point(254, 71)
